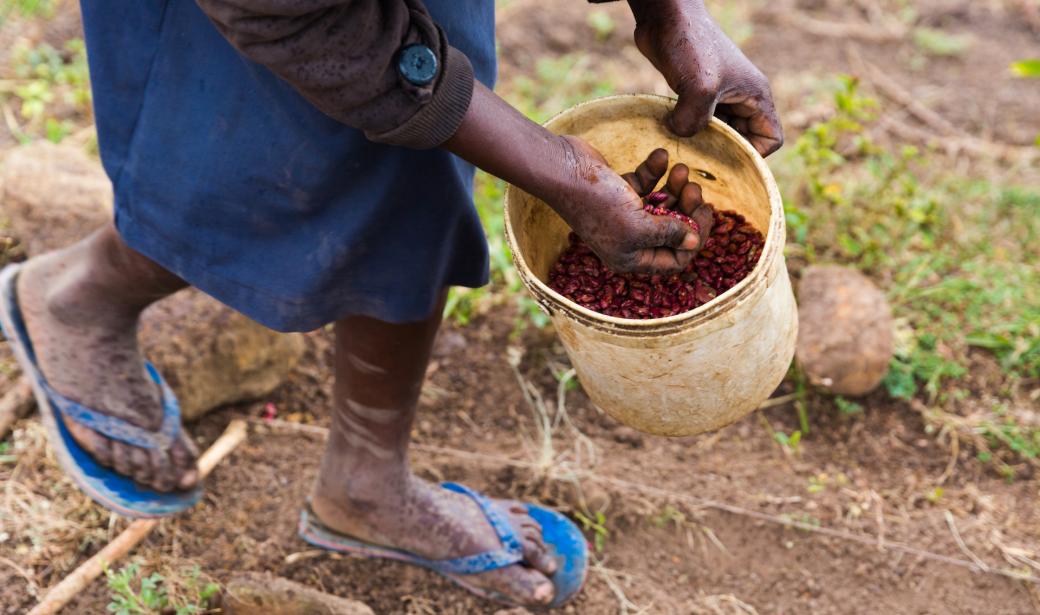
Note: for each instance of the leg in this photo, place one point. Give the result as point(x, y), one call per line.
point(81, 306)
point(366, 488)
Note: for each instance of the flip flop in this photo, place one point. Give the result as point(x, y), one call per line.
point(560, 535)
point(105, 486)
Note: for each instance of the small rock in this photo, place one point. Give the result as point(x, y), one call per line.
point(626, 435)
point(252, 593)
point(513, 611)
point(53, 195)
point(211, 355)
point(449, 341)
point(845, 341)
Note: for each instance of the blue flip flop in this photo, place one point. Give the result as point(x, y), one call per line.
point(112, 490)
point(565, 541)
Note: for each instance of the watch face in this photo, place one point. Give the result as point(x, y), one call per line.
point(418, 64)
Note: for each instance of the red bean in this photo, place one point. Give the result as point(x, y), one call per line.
point(729, 254)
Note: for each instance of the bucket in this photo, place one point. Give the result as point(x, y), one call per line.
point(692, 372)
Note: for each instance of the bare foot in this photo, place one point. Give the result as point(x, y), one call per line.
point(435, 523)
point(87, 351)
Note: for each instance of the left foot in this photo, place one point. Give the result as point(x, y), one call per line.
point(89, 353)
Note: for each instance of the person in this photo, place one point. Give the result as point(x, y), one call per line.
point(311, 161)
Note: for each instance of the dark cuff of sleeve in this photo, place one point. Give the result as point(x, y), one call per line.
point(436, 121)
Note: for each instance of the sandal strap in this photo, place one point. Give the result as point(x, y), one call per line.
point(511, 552)
point(119, 429)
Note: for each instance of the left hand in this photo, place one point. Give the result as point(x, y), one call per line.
point(708, 72)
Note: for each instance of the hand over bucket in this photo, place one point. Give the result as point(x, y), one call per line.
point(691, 372)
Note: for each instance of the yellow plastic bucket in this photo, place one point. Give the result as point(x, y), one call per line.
point(692, 372)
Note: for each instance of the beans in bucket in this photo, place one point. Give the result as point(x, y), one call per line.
point(671, 372)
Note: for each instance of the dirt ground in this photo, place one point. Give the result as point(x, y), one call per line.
point(689, 525)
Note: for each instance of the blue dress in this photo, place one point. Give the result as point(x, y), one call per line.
point(226, 176)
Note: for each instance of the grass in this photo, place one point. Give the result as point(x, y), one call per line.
point(956, 256)
point(50, 91)
point(183, 592)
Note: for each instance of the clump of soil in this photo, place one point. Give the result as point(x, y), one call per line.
point(845, 339)
point(728, 256)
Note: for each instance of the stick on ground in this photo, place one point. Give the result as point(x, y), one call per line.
point(81, 577)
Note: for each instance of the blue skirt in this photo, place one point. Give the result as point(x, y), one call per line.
point(226, 176)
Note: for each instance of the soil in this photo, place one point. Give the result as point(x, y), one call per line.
point(708, 537)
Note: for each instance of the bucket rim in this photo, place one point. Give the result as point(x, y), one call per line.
point(763, 271)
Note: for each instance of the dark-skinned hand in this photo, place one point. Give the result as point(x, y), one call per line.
point(604, 208)
point(609, 213)
point(708, 72)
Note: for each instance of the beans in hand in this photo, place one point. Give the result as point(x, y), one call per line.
point(727, 257)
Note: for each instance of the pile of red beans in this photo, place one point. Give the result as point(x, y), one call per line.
point(729, 254)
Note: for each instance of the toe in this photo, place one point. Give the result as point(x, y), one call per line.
point(94, 443)
point(536, 554)
point(163, 473)
point(142, 466)
point(183, 455)
point(121, 460)
point(525, 586)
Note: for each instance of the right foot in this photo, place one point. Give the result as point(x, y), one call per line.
point(435, 523)
point(88, 352)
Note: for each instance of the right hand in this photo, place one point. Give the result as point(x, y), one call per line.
point(606, 210)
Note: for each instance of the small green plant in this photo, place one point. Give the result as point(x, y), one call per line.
point(602, 24)
point(5, 447)
point(935, 42)
point(25, 8)
point(152, 596)
point(1026, 68)
point(50, 84)
point(597, 524)
point(669, 515)
point(847, 407)
point(791, 443)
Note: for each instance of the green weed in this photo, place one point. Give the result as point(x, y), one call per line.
point(935, 42)
point(25, 9)
point(791, 443)
point(956, 255)
point(152, 595)
point(602, 24)
point(51, 85)
point(669, 515)
point(847, 407)
point(1026, 68)
point(597, 524)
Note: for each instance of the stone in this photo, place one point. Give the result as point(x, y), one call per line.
point(845, 330)
point(252, 593)
point(211, 355)
point(53, 195)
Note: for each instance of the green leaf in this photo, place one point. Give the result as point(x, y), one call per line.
point(1027, 68)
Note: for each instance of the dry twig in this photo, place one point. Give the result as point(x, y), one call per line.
point(60, 595)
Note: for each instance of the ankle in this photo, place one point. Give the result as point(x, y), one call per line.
point(75, 303)
point(364, 490)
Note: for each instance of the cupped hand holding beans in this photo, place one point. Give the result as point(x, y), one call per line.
point(708, 72)
point(608, 212)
